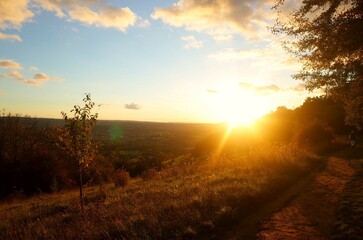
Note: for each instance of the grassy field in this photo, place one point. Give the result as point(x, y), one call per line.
point(189, 199)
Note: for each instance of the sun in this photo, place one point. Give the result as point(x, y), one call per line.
point(238, 107)
point(240, 115)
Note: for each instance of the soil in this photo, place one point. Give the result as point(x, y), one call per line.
point(314, 213)
point(326, 204)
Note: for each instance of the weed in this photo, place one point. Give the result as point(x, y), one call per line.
point(121, 178)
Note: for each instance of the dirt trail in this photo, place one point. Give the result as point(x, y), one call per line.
point(310, 209)
point(313, 214)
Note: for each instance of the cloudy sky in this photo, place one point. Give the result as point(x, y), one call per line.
point(148, 60)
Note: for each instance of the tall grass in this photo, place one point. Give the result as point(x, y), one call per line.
point(192, 198)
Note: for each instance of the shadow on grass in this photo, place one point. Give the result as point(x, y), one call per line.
point(350, 153)
point(247, 224)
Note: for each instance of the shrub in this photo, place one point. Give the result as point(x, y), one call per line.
point(315, 137)
point(99, 171)
point(150, 174)
point(121, 178)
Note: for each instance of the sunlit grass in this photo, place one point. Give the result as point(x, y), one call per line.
point(189, 198)
point(224, 139)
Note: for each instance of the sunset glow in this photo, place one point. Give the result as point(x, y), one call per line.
point(168, 61)
point(239, 107)
point(236, 105)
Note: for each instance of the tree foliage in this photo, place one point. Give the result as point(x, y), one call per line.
point(76, 137)
point(29, 158)
point(326, 37)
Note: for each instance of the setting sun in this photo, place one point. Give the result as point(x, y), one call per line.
point(181, 119)
point(237, 106)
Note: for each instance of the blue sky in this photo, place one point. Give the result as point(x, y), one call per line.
point(146, 60)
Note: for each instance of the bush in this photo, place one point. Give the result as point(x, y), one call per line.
point(121, 178)
point(99, 171)
point(315, 137)
point(150, 174)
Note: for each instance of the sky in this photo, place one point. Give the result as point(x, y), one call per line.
point(145, 60)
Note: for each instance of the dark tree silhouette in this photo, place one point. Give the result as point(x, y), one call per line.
point(326, 37)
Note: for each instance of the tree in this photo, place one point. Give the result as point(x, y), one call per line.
point(28, 160)
point(76, 137)
point(326, 37)
point(324, 110)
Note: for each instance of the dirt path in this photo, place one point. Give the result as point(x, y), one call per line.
point(326, 204)
point(314, 213)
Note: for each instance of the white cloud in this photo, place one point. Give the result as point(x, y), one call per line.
point(14, 37)
point(32, 68)
point(93, 13)
point(55, 6)
point(41, 76)
point(245, 85)
point(212, 91)
point(298, 88)
point(269, 89)
point(271, 56)
point(191, 42)
point(37, 80)
point(13, 74)
point(264, 90)
point(109, 17)
point(219, 18)
point(233, 55)
point(9, 64)
point(13, 13)
point(132, 106)
point(288, 7)
point(60, 7)
point(143, 23)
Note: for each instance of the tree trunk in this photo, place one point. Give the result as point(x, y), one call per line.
point(81, 188)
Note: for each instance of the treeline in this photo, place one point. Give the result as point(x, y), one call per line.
point(28, 157)
point(31, 160)
point(314, 126)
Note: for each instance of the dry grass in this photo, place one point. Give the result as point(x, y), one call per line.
point(190, 199)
